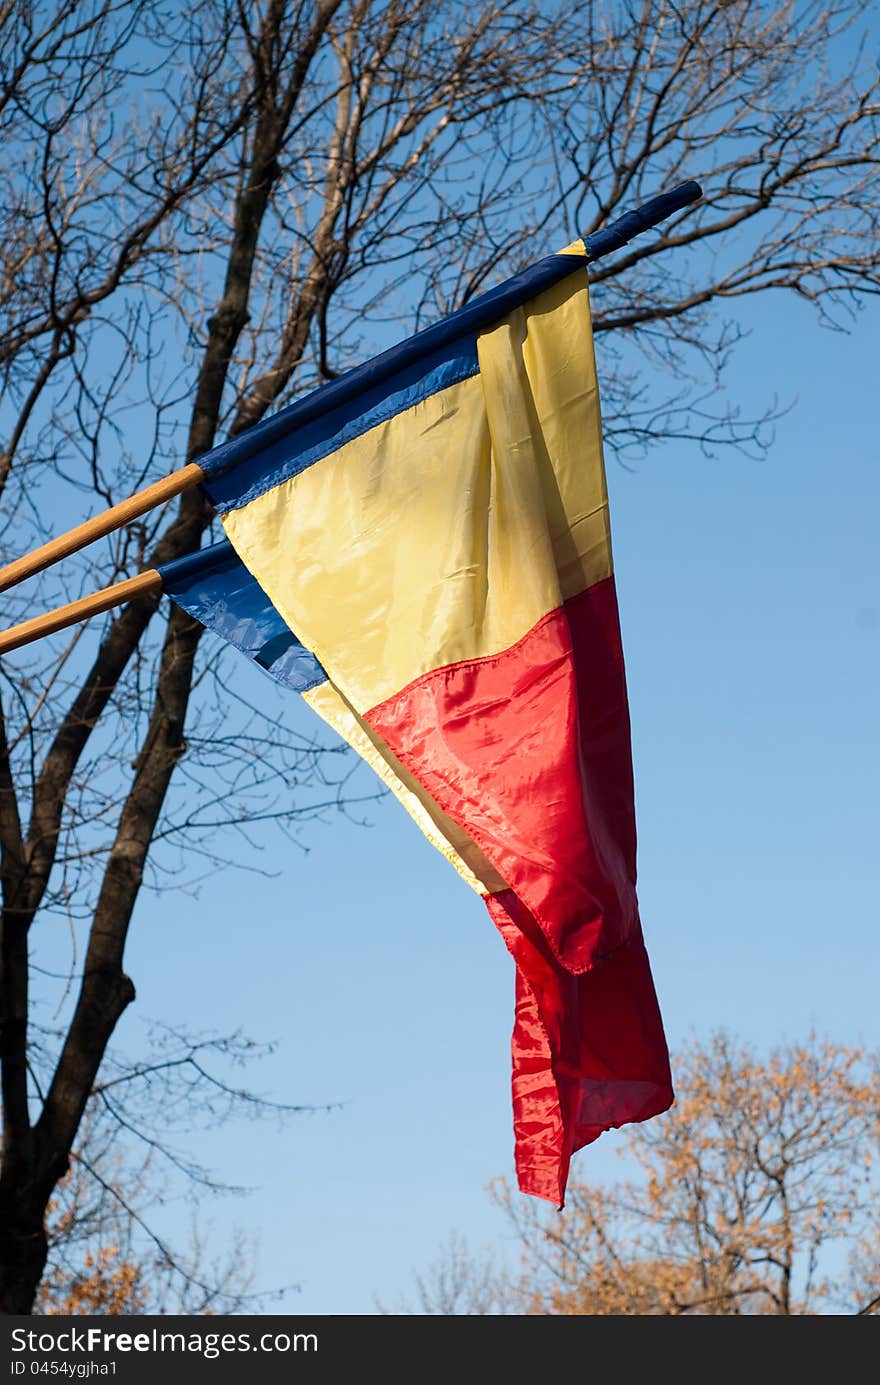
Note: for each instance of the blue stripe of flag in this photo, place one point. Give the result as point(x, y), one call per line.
point(216, 588)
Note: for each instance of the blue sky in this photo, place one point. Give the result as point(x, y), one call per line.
point(750, 606)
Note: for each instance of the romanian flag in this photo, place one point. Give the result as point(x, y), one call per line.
point(422, 549)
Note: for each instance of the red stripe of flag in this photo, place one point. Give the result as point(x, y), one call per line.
point(529, 751)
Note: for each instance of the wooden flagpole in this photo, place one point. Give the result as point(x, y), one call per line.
point(74, 611)
point(97, 528)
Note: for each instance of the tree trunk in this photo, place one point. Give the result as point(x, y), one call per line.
point(23, 1249)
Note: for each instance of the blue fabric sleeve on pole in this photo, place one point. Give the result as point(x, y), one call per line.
point(631, 224)
point(214, 586)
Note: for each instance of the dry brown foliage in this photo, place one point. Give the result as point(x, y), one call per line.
point(756, 1195)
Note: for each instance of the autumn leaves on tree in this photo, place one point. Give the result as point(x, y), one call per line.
point(756, 1194)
